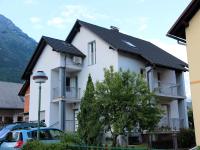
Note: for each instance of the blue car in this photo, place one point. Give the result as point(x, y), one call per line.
point(16, 126)
point(17, 138)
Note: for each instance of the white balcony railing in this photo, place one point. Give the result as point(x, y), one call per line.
point(168, 89)
point(71, 93)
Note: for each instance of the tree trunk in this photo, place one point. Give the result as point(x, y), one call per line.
point(114, 140)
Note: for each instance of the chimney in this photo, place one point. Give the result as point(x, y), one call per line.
point(114, 28)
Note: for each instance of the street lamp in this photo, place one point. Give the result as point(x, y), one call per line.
point(39, 77)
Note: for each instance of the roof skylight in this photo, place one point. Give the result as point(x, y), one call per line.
point(128, 43)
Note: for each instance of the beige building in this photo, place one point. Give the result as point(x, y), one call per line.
point(187, 30)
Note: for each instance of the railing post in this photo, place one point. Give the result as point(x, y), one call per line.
point(175, 143)
point(150, 141)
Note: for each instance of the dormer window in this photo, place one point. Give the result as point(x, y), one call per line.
point(92, 53)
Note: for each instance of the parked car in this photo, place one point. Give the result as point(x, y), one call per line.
point(17, 138)
point(16, 126)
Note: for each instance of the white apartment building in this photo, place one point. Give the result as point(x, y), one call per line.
point(89, 49)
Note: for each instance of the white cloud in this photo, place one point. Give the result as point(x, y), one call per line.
point(35, 20)
point(70, 13)
point(57, 22)
point(142, 23)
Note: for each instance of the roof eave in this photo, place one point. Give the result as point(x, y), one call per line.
point(34, 58)
point(177, 31)
point(24, 88)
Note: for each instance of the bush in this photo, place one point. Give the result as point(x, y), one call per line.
point(186, 138)
point(71, 139)
point(162, 144)
point(33, 145)
point(66, 139)
point(37, 145)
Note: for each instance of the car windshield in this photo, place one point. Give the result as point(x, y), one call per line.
point(5, 130)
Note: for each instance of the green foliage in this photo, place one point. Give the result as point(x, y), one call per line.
point(118, 104)
point(37, 145)
point(186, 138)
point(190, 118)
point(71, 139)
point(88, 127)
point(124, 101)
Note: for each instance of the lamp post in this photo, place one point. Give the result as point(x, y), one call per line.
point(39, 77)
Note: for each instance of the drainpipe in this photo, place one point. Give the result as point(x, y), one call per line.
point(148, 72)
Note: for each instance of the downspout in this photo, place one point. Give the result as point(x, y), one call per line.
point(148, 72)
point(64, 117)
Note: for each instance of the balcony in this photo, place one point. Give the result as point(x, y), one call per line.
point(72, 94)
point(168, 90)
point(172, 123)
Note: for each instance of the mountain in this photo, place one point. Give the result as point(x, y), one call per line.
point(16, 48)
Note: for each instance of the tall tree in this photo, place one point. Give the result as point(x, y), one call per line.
point(125, 102)
point(88, 127)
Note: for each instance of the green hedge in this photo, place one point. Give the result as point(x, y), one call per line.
point(35, 145)
point(186, 138)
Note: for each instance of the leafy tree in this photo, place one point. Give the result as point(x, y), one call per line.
point(88, 126)
point(123, 101)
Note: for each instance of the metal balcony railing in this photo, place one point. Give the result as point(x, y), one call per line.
point(169, 89)
point(172, 123)
point(71, 93)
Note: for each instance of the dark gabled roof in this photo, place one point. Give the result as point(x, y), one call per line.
point(126, 43)
point(24, 88)
point(57, 45)
point(8, 96)
point(63, 46)
point(177, 31)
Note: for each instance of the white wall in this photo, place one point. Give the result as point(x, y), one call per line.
point(105, 57)
point(130, 62)
point(48, 60)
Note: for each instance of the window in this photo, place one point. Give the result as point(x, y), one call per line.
point(92, 53)
point(68, 84)
point(19, 118)
point(44, 135)
point(55, 134)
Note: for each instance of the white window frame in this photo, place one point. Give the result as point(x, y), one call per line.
point(92, 53)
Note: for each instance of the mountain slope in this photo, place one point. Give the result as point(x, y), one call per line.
point(16, 49)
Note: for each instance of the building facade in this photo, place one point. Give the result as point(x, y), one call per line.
point(89, 49)
point(186, 30)
point(11, 105)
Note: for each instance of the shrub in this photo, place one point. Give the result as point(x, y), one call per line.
point(37, 145)
point(66, 139)
point(33, 145)
point(71, 139)
point(186, 138)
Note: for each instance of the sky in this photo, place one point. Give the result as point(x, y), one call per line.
point(146, 19)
